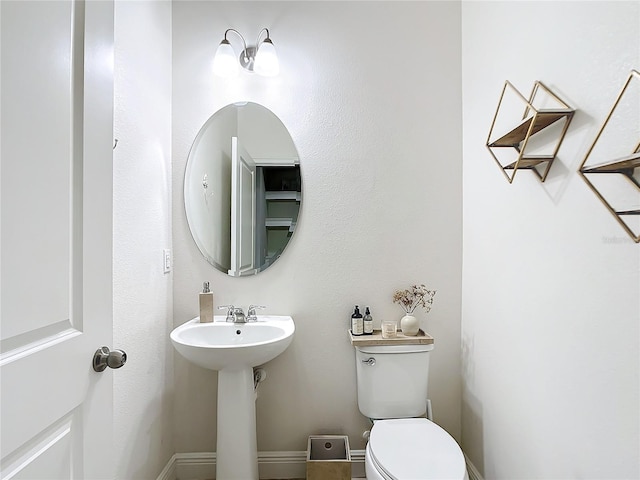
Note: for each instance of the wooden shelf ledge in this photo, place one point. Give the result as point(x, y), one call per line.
point(619, 165)
point(376, 339)
point(530, 161)
point(543, 118)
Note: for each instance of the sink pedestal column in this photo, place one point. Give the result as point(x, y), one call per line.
point(237, 446)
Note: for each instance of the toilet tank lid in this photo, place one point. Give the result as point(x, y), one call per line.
point(412, 448)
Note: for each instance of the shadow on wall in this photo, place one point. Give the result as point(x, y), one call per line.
point(472, 413)
point(567, 165)
point(473, 436)
point(149, 437)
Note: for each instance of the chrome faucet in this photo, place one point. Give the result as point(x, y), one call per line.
point(238, 316)
point(229, 312)
point(234, 314)
point(251, 312)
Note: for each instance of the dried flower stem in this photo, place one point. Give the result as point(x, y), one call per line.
point(414, 297)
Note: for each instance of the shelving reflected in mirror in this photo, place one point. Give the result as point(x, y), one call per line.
point(611, 167)
point(242, 189)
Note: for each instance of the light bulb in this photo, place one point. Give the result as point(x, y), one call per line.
point(225, 63)
point(266, 62)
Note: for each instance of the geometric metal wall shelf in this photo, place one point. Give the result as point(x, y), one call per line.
point(613, 173)
point(528, 141)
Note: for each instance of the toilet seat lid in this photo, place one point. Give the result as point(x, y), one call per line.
point(412, 448)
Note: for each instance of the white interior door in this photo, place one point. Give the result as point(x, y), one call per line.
point(55, 238)
point(243, 210)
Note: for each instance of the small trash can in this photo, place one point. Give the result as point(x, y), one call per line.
point(328, 457)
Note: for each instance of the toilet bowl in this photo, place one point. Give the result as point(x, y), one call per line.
point(412, 449)
point(392, 391)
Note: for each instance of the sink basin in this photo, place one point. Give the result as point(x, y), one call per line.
point(224, 345)
point(234, 349)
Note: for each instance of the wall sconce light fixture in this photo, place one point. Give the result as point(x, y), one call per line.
point(261, 59)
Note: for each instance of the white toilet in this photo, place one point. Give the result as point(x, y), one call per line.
point(392, 392)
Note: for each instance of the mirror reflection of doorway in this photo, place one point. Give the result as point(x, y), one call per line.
point(243, 211)
point(265, 201)
point(278, 204)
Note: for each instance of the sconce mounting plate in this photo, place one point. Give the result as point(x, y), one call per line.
point(247, 58)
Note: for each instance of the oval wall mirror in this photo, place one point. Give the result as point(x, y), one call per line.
point(242, 189)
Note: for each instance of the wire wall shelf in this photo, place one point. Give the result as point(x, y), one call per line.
point(613, 174)
point(531, 140)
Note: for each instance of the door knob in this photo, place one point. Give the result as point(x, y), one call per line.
point(104, 358)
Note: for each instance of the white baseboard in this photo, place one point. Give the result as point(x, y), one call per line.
point(472, 471)
point(169, 470)
point(282, 465)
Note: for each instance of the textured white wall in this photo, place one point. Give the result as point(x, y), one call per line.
point(551, 308)
point(214, 161)
point(143, 423)
point(370, 92)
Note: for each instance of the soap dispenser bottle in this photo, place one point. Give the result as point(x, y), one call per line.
point(368, 322)
point(357, 324)
point(206, 304)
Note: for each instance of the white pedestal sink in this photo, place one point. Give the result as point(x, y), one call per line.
point(234, 349)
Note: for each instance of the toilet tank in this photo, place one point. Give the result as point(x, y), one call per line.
point(392, 380)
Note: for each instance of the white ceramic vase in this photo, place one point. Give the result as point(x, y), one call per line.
point(409, 325)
